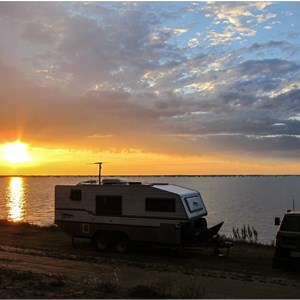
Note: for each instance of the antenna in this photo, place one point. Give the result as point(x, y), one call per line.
point(293, 204)
point(99, 163)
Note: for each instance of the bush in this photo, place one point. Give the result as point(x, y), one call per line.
point(159, 288)
point(111, 282)
point(163, 287)
point(108, 281)
point(245, 234)
point(58, 280)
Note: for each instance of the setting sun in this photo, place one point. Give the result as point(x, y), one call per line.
point(16, 152)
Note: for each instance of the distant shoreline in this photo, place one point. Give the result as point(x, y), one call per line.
point(241, 175)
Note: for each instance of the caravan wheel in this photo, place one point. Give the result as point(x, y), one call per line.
point(121, 244)
point(101, 241)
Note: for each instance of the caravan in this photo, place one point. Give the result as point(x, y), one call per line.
point(117, 212)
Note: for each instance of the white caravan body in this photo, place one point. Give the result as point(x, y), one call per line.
point(132, 211)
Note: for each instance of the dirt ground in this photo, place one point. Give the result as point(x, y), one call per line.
point(41, 263)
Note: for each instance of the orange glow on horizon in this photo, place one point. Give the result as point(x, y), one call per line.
point(63, 161)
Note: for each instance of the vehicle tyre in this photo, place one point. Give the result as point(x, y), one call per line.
point(101, 241)
point(121, 244)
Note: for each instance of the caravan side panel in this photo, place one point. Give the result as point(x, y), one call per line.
point(75, 213)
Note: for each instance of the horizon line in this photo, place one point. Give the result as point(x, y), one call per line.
point(166, 175)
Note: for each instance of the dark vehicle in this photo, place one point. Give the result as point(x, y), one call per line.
point(287, 244)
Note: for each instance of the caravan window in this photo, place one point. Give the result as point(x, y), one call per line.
point(75, 195)
point(194, 203)
point(160, 204)
point(108, 205)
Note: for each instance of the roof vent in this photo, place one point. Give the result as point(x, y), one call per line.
point(118, 181)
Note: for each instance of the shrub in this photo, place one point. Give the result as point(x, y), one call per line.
point(245, 234)
point(58, 280)
point(111, 281)
point(163, 287)
point(159, 288)
point(108, 281)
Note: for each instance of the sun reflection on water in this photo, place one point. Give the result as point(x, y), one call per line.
point(16, 200)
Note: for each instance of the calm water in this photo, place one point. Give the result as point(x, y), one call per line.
point(253, 201)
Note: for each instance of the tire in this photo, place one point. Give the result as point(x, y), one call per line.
point(101, 241)
point(121, 244)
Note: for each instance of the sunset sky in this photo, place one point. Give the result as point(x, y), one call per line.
point(150, 87)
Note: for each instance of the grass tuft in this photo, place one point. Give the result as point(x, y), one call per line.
point(245, 234)
point(108, 281)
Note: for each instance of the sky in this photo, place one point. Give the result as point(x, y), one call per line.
point(197, 88)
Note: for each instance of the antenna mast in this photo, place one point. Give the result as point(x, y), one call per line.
point(99, 163)
point(293, 204)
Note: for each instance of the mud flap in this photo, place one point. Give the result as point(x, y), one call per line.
point(208, 234)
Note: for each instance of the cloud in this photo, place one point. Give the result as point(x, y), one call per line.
point(217, 122)
point(271, 67)
point(270, 45)
point(236, 19)
point(117, 74)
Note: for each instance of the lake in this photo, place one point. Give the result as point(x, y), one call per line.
point(236, 200)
